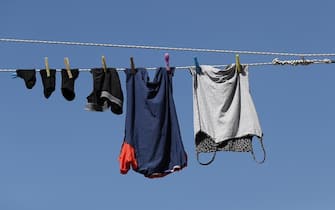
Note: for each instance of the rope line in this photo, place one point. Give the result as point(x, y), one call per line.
point(91, 44)
point(275, 61)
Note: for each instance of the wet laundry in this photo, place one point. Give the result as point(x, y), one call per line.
point(107, 91)
point(28, 75)
point(152, 144)
point(225, 118)
point(68, 84)
point(49, 83)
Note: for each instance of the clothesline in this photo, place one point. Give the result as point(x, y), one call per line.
point(91, 44)
point(275, 61)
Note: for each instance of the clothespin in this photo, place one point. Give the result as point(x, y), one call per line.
point(197, 66)
point(167, 61)
point(238, 63)
point(132, 65)
point(67, 65)
point(47, 66)
point(104, 65)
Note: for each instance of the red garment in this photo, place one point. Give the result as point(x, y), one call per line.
point(127, 158)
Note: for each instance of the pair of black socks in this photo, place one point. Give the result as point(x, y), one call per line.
point(49, 83)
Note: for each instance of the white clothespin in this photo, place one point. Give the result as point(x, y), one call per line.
point(104, 65)
point(46, 62)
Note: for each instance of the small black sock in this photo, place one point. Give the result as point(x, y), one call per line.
point(49, 83)
point(94, 101)
point(68, 84)
point(112, 92)
point(29, 76)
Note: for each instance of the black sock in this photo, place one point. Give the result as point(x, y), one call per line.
point(112, 92)
point(94, 101)
point(29, 76)
point(68, 84)
point(49, 83)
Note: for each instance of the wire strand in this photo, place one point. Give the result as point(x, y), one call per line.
point(91, 44)
point(275, 61)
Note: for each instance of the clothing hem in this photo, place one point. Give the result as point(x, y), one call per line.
point(111, 98)
point(96, 108)
point(229, 138)
point(167, 172)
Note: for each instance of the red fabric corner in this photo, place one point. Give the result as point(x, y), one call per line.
point(127, 158)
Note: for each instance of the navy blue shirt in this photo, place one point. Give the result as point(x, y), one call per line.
point(152, 128)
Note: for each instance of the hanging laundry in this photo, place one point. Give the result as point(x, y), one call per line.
point(68, 84)
point(152, 145)
point(49, 83)
point(106, 92)
point(225, 118)
point(28, 75)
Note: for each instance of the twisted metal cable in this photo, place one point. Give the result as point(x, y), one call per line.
point(91, 44)
point(275, 61)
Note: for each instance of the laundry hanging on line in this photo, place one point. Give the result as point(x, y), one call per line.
point(225, 118)
point(145, 143)
point(152, 143)
point(143, 159)
point(49, 81)
point(274, 62)
point(230, 129)
point(107, 92)
point(29, 75)
point(68, 83)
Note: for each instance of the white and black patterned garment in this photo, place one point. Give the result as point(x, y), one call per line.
point(225, 118)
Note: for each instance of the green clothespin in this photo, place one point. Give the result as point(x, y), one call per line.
point(238, 63)
point(104, 65)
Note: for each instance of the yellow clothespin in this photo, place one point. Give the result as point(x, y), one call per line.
point(238, 63)
point(68, 69)
point(132, 65)
point(47, 66)
point(104, 65)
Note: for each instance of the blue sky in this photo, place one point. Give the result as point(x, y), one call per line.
point(54, 155)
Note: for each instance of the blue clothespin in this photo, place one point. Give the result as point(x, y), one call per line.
point(197, 66)
point(14, 75)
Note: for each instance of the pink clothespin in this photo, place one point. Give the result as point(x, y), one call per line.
point(167, 61)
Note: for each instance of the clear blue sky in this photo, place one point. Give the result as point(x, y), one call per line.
point(54, 155)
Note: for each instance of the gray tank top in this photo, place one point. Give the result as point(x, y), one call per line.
point(225, 118)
